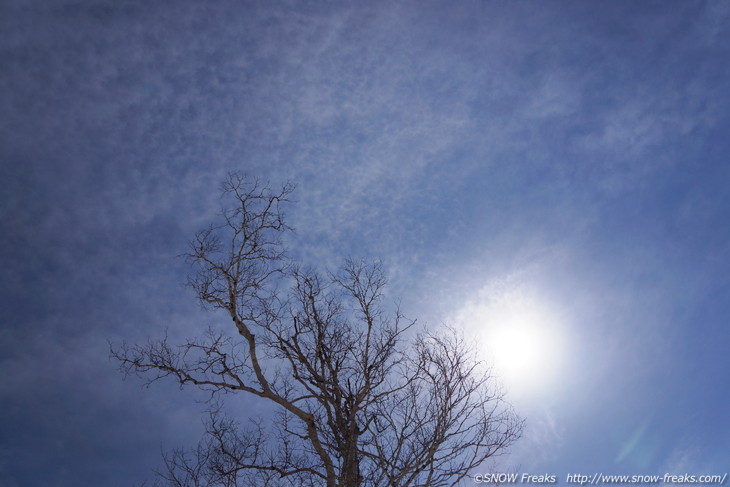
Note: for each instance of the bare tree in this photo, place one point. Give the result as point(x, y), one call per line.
point(361, 399)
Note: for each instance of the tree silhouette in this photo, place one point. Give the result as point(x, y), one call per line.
point(360, 397)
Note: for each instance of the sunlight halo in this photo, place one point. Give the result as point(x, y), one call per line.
point(520, 335)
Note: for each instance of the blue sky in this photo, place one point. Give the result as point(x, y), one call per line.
point(560, 162)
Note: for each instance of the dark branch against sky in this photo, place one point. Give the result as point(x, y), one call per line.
point(570, 153)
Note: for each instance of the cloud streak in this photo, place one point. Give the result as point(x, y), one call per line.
point(580, 145)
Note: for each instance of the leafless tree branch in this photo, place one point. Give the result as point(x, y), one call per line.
point(360, 400)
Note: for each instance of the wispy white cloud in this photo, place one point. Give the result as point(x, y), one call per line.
point(456, 142)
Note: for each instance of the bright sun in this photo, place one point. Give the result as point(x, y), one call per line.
point(521, 336)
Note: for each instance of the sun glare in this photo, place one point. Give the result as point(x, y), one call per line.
point(520, 336)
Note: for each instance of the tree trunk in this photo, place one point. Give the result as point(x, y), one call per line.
point(350, 474)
